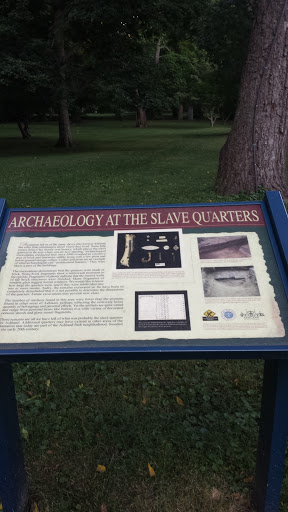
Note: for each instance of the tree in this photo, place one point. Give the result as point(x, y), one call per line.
point(25, 72)
point(130, 46)
point(187, 71)
point(254, 154)
point(225, 36)
point(65, 137)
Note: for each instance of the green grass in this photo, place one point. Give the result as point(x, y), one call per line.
point(75, 416)
point(124, 416)
point(111, 163)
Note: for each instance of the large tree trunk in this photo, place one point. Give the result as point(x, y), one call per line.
point(65, 138)
point(254, 154)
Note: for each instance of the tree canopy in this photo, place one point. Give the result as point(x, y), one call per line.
point(147, 56)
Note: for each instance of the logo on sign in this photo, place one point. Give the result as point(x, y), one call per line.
point(228, 314)
point(209, 316)
point(251, 315)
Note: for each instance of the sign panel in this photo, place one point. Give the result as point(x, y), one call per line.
point(182, 274)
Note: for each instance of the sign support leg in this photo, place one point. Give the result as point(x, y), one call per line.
point(273, 433)
point(13, 482)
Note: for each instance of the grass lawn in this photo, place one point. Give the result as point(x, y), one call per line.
point(77, 417)
point(111, 163)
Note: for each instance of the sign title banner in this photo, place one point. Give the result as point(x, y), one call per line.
point(107, 220)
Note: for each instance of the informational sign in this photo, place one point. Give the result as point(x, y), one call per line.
point(173, 273)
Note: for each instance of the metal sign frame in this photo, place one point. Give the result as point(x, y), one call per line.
point(274, 411)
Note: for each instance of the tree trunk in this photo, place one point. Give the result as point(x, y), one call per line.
point(212, 119)
point(190, 113)
point(157, 53)
point(254, 154)
point(23, 125)
point(65, 138)
point(180, 113)
point(141, 118)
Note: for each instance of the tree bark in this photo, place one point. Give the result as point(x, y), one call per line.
point(212, 118)
point(141, 118)
point(159, 47)
point(180, 113)
point(23, 125)
point(65, 138)
point(157, 53)
point(254, 154)
point(190, 113)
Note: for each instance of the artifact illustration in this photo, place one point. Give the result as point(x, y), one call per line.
point(129, 248)
point(149, 249)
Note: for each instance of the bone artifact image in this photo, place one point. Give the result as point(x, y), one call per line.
point(223, 247)
point(229, 282)
point(151, 249)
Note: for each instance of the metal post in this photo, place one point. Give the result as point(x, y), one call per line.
point(13, 482)
point(273, 434)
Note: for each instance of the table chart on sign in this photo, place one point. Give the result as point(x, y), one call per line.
point(162, 307)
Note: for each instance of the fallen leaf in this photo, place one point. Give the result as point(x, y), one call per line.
point(236, 382)
point(249, 479)
point(144, 401)
point(179, 401)
point(48, 382)
point(151, 470)
point(236, 495)
point(100, 468)
point(24, 433)
point(34, 507)
point(49, 452)
point(126, 397)
point(1, 507)
point(215, 494)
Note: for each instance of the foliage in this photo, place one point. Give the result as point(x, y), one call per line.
point(25, 73)
point(225, 35)
point(110, 54)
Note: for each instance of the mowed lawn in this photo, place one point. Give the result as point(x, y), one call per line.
point(91, 429)
point(111, 163)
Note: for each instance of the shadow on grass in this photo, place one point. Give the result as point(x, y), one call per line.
point(45, 146)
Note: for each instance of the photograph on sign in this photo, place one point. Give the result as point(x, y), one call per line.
point(229, 282)
point(224, 247)
point(148, 249)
